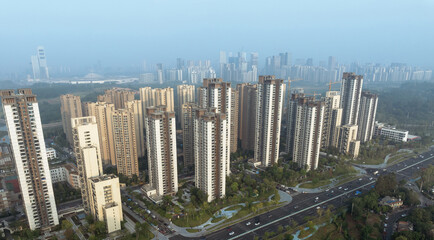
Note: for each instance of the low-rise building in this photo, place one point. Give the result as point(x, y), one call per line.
point(391, 202)
point(65, 173)
point(390, 132)
point(51, 153)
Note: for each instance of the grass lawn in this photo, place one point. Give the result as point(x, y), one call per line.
point(315, 185)
point(305, 233)
point(217, 219)
point(193, 230)
point(236, 207)
point(192, 221)
point(398, 158)
point(328, 231)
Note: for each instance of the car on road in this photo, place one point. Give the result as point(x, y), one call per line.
point(340, 188)
point(360, 179)
point(346, 189)
point(231, 233)
point(387, 218)
point(404, 215)
point(370, 179)
point(248, 223)
point(257, 223)
point(295, 207)
point(318, 207)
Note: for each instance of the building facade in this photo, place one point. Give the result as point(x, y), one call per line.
point(117, 96)
point(151, 97)
point(269, 102)
point(351, 90)
point(218, 94)
point(247, 115)
point(70, 107)
point(332, 119)
point(139, 120)
point(368, 111)
point(210, 152)
point(304, 131)
point(161, 145)
point(188, 133)
point(347, 140)
point(124, 135)
point(22, 117)
point(185, 94)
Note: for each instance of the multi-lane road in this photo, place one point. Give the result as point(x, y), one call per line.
point(306, 204)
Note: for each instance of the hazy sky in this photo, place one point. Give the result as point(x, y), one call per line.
point(80, 33)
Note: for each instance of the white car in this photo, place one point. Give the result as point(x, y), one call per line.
point(231, 233)
point(370, 179)
point(318, 207)
point(360, 179)
point(340, 188)
point(248, 223)
point(257, 223)
point(346, 189)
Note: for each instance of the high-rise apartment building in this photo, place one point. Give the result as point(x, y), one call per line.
point(22, 117)
point(103, 113)
point(185, 94)
point(234, 121)
point(124, 138)
point(351, 90)
point(87, 153)
point(347, 140)
point(136, 108)
point(161, 145)
point(332, 119)
point(188, 133)
point(269, 102)
point(106, 203)
point(218, 94)
point(368, 110)
point(210, 152)
point(100, 193)
point(305, 119)
point(247, 115)
point(117, 96)
point(70, 107)
point(152, 97)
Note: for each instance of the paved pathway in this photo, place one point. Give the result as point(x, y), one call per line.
point(75, 228)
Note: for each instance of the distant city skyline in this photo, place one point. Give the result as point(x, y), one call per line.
point(79, 34)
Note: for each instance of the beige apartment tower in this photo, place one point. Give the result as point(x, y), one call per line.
point(70, 107)
point(332, 119)
point(106, 203)
point(103, 114)
point(117, 96)
point(234, 121)
point(347, 140)
point(87, 153)
point(218, 94)
point(185, 94)
point(136, 108)
point(151, 97)
point(305, 119)
point(161, 145)
point(124, 138)
point(210, 152)
point(269, 102)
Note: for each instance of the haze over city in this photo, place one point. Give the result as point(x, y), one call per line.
point(81, 33)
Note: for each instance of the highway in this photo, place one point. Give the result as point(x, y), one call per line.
point(306, 204)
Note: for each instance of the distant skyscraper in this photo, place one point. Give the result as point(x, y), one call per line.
point(351, 91)
point(368, 110)
point(332, 119)
point(268, 118)
point(247, 115)
point(210, 151)
point(22, 117)
point(124, 134)
point(305, 119)
point(217, 94)
point(103, 113)
point(70, 107)
point(117, 96)
point(39, 65)
point(161, 145)
point(332, 63)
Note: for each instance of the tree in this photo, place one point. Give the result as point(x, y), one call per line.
point(142, 230)
point(66, 224)
point(386, 185)
point(234, 187)
point(69, 234)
